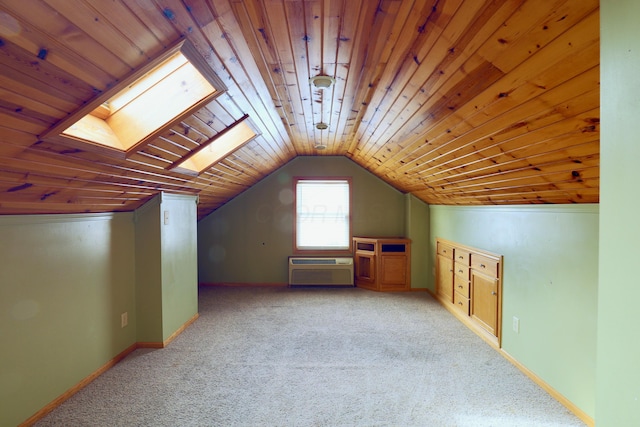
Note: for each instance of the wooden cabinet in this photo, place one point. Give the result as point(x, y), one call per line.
point(469, 284)
point(382, 263)
point(444, 272)
point(484, 306)
point(485, 282)
point(461, 280)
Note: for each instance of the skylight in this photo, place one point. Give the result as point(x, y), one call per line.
point(216, 148)
point(145, 104)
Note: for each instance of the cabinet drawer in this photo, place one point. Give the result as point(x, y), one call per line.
point(445, 250)
point(461, 303)
point(488, 266)
point(461, 285)
point(461, 270)
point(462, 256)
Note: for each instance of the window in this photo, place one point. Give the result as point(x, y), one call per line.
point(143, 104)
point(210, 152)
point(322, 214)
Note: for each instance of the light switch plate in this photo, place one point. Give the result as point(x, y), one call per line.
point(516, 325)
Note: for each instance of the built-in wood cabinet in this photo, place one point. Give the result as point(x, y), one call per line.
point(444, 272)
point(469, 284)
point(382, 263)
point(461, 287)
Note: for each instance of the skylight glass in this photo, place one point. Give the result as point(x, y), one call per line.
point(217, 148)
point(142, 106)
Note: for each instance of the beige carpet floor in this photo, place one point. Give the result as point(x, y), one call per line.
point(315, 357)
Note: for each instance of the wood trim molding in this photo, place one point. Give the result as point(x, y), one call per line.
point(582, 208)
point(285, 285)
point(150, 344)
point(533, 377)
point(76, 388)
point(552, 392)
point(469, 248)
point(165, 343)
point(248, 285)
point(111, 363)
point(180, 330)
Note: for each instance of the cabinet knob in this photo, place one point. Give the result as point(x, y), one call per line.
point(483, 266)
point(459, 271)
point(460, 286)
point(460, 303)
point(493, 293)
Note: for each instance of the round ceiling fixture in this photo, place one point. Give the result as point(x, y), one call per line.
point(322, 82)
point(322, 126)
point(320, 147)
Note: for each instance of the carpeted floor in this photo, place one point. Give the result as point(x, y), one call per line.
point(315, 357)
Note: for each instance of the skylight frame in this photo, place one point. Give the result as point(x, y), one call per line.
point(192, 165)
point(193, 57)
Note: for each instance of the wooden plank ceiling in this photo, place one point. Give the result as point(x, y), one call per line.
point(455, 101)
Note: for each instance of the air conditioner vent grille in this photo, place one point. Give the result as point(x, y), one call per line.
point(305, 261)
point(306, 271)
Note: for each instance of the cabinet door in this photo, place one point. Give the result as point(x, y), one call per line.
point(484, 301)
point(393, 271)
point(365, 270)
point(444, 277)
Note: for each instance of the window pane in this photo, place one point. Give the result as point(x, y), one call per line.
point(322, 214)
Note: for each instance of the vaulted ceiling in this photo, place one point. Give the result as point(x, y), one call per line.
point(455, 101)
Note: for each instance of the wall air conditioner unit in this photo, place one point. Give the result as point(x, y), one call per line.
point(318, 271)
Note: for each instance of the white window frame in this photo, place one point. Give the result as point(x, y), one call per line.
point(319, 213)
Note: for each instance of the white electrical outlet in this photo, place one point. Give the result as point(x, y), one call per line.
point(124, 319)
point(166, 217)
point(516, 325)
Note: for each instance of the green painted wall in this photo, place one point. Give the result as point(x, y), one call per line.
point(64, 281)
point(166, 265)
point(417, 229)
point(179, 247)
point(550, 284)
point(148, 246)
point(249, 239)
point(618, 377)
